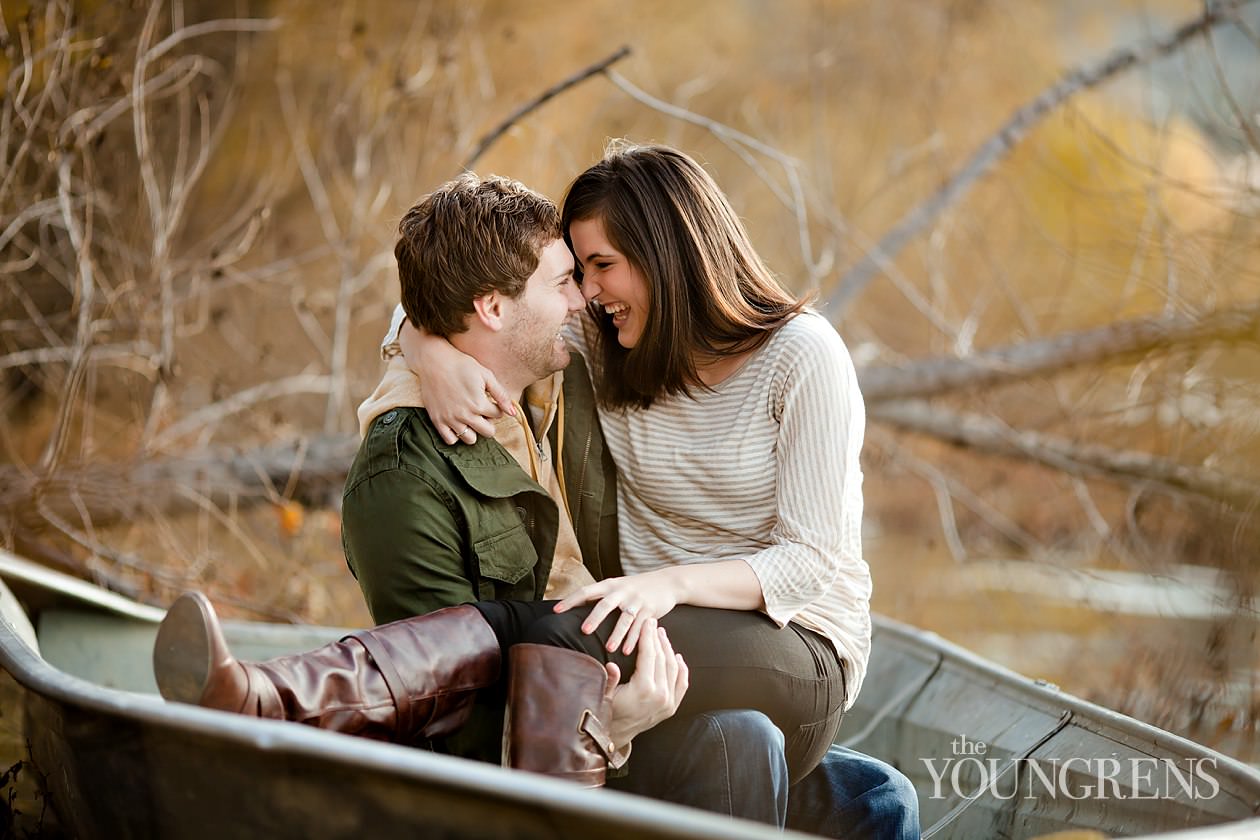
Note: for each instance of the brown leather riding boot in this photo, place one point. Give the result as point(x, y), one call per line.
point(399, 682)
point(557, 715)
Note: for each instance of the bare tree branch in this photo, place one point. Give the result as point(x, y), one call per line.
point(208, 27)
point(740, 143)
point(302, 383)
point(994, 437)
point(947, 487)
point(85, 288)
point(1006, 138)
point(537, 102)
point(1048, 355)
point(139, 353)
point(1241, 117)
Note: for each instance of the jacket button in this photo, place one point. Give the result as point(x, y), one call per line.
point(520, 512)
point(390, 417)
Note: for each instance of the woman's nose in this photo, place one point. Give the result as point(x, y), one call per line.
point(576, 299)
point(590, 289)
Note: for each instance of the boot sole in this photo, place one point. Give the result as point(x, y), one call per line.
point(182, 650)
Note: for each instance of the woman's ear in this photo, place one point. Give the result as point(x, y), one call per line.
point(488, 309)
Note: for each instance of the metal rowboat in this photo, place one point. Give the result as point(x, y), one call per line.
point(118, 762)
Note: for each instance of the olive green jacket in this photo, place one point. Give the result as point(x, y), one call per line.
point(427, 525)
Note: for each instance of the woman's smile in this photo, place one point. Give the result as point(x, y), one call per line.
point(609, 280)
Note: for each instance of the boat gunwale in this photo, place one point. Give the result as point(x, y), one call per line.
point(1091, 717)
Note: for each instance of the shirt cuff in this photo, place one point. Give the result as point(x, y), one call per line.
point(620, 756)
point(778, 608)
point(389, 344)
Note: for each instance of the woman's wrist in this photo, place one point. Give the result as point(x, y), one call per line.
point(678, 581)
point(417, 344)
point(723, 584)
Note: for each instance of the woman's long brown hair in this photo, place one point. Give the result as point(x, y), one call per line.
point(709, 294)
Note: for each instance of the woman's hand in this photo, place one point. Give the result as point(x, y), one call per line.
point(725, 584)
point(463, 398)
point(641, 598)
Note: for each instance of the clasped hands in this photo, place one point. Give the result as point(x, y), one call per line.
point(644, 598)
point(660, 677)
point(652, 695)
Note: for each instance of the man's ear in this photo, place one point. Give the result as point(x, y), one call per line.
point(489, 310)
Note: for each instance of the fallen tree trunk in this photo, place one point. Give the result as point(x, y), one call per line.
point(1049, 355)
point(312, 469)
point(99, 494)
point(992, 436)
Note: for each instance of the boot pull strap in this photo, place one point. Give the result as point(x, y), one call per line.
point(397, 686)
point(591, 725)
point(263, 698)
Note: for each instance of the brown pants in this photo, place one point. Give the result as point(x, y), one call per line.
point(738, 660)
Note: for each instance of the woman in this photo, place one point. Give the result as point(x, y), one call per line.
point(735, 420)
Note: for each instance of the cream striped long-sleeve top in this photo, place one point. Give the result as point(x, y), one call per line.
point(764, 468)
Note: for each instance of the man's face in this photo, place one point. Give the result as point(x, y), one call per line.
point(539, 313)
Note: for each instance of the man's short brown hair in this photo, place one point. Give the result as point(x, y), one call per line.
point(467, 238)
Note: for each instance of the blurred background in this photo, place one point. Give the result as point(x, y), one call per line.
point(1035, 225)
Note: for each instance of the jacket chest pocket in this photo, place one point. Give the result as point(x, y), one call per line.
point(504, 561)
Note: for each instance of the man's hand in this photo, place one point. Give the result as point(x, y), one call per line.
point(463, 398)
point(652, 695)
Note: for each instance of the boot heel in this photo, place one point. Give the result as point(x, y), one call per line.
point(432, 666)
point(183, 652)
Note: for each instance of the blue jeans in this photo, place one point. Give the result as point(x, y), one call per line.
point(733, 764)
point(730, 762)
point(853, 795)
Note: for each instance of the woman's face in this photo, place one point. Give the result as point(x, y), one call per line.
point(610, 281)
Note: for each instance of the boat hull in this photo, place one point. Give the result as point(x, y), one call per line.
point(119, 762)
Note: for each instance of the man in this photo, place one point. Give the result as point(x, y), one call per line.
point(427, 525)
point(531, 513)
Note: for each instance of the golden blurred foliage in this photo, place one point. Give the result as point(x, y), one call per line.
point(197, 213)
